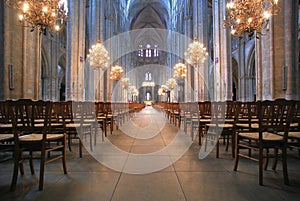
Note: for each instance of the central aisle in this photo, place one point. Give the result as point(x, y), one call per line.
point(146, 143)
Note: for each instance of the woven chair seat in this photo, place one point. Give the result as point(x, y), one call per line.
point(39, 137)
point(266, 136)
point(246, 125)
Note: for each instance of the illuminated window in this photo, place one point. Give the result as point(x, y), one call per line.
point(148, 51)
point(148, 76)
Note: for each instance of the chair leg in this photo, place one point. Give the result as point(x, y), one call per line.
point(91, 140)
point(70, 142)
point(17, 160)
point(200, 133)
point(227, 140)
point(236, 159)
point(31, 162)
point(284, 166)
point(218, 148)
point(21, 163)
point(233, 144)
point(42, 168)
point(266, 163)
point(275, 159)
point(80, 148)
point(260, 161)
point(64, 158)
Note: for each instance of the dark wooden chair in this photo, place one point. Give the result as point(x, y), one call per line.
point(30, 136)
point(274, 117)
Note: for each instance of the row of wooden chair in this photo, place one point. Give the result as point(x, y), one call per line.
point(261, 126)
point(28, 127)
point(33, 131)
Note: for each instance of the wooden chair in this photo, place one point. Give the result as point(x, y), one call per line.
point(76, 129)
point(30, 137)
point(6, 135)
point(294, 133)
point(273, 117)
point(223, 119)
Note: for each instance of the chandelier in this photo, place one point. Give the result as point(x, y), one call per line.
point(171, 83)
point(196, 53)
point(179, 70)
point(125, 82)
point(116, 72)
point(164, 88)
point(160, 92)
point(247, 16)
point(41, 14)
point(133, 91)
point(98, 56)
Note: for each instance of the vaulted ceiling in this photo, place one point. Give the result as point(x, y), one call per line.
point(148, 13)
point(154, 14)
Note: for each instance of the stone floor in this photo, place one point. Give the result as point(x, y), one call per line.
point(139, 171)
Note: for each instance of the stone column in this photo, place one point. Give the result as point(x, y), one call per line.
point(75, 50)
point(222, 53)
point(200, 22)
point(258, 64)
point(291, 44)
point(277, 52)
point(109, 30)
point(96, 31)
point(20, 58)
point(242, 71)
point(188, 18)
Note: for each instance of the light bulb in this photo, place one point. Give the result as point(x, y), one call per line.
point(45, 9)
point(25, 7)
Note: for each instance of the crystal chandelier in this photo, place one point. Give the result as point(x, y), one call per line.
point(98, 56)
point(171, 83)
point(247, 16)
point(125, 82)
point(196, 53)
point(179, 70)
point(116, 72)
point(160, 92)
point(164, 88)
point(133, 91)
point(41, 14)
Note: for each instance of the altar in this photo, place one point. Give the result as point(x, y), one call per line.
point(148, 103)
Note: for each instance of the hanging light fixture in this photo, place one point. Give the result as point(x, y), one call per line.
point(196, 53)
point(133, 90)
point(41, 14)
point(171, 83)
point(116, 72)
point(247, 16)
point(160, 92)
point(125, 82)
point(180, 70)
point(98, 56)
point(164, 88)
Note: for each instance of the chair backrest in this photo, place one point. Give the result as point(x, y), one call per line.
point(248, 113)
point(27, 114)
point(275, 116)
point(4, 114)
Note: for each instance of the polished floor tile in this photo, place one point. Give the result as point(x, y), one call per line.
point(161, 165)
